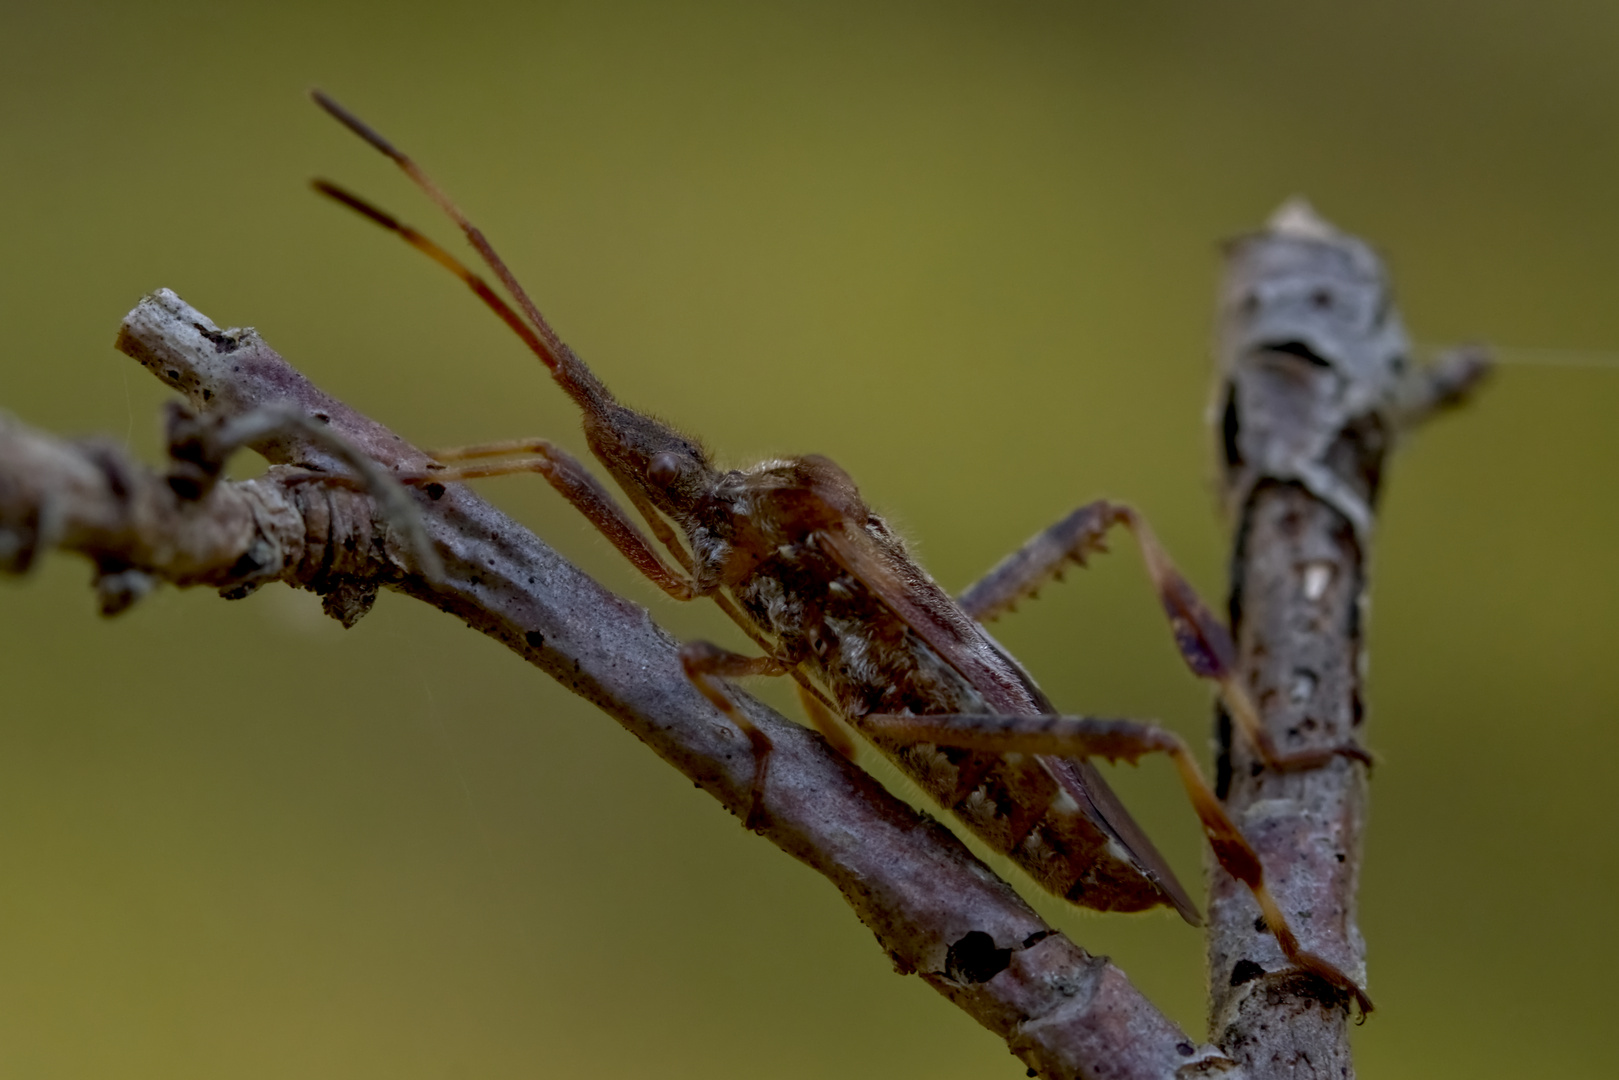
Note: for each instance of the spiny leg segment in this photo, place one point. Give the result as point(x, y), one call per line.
point(1201, 638)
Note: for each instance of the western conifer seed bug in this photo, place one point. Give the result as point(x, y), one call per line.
point(791, 553)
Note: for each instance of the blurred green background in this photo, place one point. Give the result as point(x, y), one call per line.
point(968, 251)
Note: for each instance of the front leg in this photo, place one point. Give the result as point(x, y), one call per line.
point(1127, 740)
point(1201, 638)
point(708, 666)
point(512, 447)
point(576, 484)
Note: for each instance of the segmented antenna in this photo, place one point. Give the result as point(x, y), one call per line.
point(477, 284)
point(565, 365)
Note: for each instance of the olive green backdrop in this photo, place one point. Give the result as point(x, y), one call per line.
point(966, 250)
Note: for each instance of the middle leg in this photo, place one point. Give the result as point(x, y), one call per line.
point(1200, 636)
point(708, 667)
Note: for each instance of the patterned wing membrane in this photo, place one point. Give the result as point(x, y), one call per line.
point(1086, 847)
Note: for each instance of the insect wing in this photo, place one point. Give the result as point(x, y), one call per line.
point(1099, 803)
point(931, 615)
point(1006, 687)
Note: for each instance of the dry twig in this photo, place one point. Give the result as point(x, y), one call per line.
point(935, 909)
point(1316, 386)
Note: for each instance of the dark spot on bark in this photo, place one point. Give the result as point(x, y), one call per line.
point(1031, 1072)
point(1300, 350)
point(434, 491)
point(975, 959)
point(1222, 760)
point(185, 487)
point(246, 566)
point(324, 418)
point(1245, 971)
point(207, 395)
point(1185, 1049)
point(1259, 924)
point(119, 482)
point(1340, 856)
point(1230, 427)
point(534, 638)
point(1035, 938)
point(172, 374)
point(117, 592)
point(223, 343)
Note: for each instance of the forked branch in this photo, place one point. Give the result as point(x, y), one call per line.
point(934, 908)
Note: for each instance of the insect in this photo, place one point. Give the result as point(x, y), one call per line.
point(792, 554)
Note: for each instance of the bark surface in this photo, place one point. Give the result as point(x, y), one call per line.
point(1315, 386)
point(935, 909)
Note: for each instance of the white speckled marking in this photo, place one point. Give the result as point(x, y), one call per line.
point(1317, 576)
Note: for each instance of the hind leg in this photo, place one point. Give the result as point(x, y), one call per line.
point(1127, 740)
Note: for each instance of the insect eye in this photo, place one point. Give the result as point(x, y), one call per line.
point(664, 468)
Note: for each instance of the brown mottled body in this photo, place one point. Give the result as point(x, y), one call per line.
point(1054, 817)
